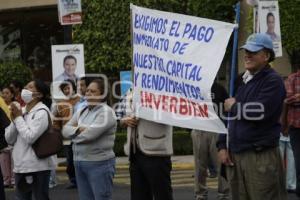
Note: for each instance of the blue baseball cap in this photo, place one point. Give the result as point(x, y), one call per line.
point(257, 42)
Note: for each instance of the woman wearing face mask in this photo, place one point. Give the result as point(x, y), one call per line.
point(31, 173)
point(92, 131)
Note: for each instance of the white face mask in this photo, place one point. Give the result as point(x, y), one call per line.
point(26, 95)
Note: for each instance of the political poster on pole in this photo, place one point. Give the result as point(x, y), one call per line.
point(176, 58)
point(69, 12)
point(67, 64)
point(269, 23)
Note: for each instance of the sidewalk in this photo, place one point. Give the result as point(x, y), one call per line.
point(178, 163)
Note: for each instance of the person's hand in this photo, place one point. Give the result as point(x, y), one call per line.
point(129, 121)
point(224, 157)
point(292, 99)
point(285, 131)
point(81, 129)
point(15, 110)
point(297, 97)
point(289, 100)
point(229, 103)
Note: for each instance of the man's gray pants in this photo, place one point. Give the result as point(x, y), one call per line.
point(204, 148)
point(257, 175)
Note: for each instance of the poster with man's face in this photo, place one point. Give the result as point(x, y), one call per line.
point(269, 23)
point(67, 64)
point(69, 12)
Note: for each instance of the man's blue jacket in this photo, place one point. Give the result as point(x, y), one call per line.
point(256, 113)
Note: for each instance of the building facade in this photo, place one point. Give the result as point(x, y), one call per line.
point(28, 28)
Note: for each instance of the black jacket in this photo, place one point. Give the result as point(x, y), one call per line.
point(4, 122)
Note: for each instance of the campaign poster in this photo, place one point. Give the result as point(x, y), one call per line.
point(269, 23)
point(176, 58)
point(67, 64)
point(69, 12)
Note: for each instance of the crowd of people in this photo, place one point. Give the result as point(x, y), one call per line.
point(250, 162)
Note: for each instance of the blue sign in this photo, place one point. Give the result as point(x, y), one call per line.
point(126, 81)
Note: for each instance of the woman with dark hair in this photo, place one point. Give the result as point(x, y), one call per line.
point(31, 173)
point(92, 131)
point(8, 94)
point(17, 87)
point(68, 87)
point(5, 154)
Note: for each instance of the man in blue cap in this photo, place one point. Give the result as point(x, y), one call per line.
point(254, 167)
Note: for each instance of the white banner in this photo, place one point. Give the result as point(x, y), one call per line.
point(269, 23)
point(176, 58)
point(67, 64)
point(69, 12)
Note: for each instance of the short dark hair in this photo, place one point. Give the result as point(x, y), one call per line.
point(11, 91)
point(85, 79)
point(44, 89)
point(101, 86)
point(66, 83)
point(270, 14)
point(272, 54)
point(69, 57)
point(17, 84)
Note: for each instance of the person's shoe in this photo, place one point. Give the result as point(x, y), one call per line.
point(291, 191)
point(212, 175)
point(71, 186)
point(52, 185)
point(201, 197)
point(223, 196)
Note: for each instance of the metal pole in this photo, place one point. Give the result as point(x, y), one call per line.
point(67, 34)
point(233, 60)
point(235, 49)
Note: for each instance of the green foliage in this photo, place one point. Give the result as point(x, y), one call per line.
point(182, 143)
point(105, 34)
point(14, 70)
point(213, 9)
point(105, 31)
point(120, 140)
point(290, 28)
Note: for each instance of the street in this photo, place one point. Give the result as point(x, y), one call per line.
point(182, 182)
point(122, 192)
